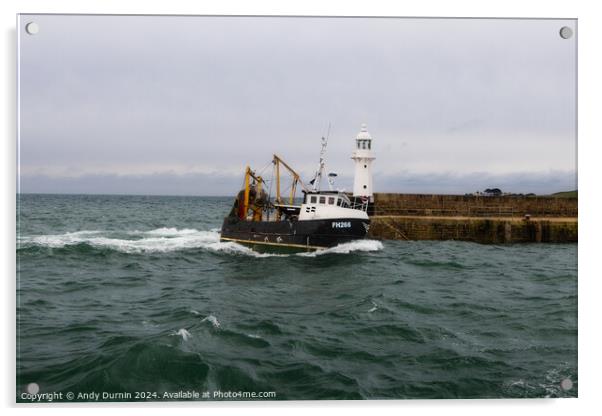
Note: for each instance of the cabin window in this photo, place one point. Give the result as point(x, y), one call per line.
point(365, 186)
point(322, 200)
point(340, 202)
point(330, 200)
point(365, 166)
point(358, 144)
point(314, 199)
point(369, 145)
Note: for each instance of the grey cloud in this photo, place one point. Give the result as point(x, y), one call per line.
point(145, 94)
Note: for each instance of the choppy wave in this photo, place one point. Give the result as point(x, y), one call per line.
point(182, 332)
point(556, 382)
point(162, 240)
point(213, 320)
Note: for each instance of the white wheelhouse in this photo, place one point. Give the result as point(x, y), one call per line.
point(330, 205)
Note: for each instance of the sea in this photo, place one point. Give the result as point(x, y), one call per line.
point(134, 298)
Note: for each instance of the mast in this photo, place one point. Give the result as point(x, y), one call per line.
point(247, 204)
point(316, 182)
point(296, 180)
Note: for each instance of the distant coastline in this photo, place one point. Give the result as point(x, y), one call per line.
point(561, 194)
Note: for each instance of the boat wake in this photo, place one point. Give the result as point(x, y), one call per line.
point(346, 248)
point(164, 240)
point(160, 240)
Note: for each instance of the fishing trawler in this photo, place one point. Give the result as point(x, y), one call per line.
point(317, 220)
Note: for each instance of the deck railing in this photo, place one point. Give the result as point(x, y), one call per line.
point(359, 205)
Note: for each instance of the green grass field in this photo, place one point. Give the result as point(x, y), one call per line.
point(567, 194)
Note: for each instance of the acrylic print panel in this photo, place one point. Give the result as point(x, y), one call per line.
point(271, 208)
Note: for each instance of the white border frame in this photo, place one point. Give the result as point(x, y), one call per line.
point(590, 31)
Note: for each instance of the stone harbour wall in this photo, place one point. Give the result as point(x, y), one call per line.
point(473, 206)
point(480, 230)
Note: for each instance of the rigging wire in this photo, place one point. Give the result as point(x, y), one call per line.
point(260, 172)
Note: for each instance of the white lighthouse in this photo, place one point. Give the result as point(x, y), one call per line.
point(363, 157)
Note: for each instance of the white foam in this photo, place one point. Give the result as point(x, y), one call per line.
point(213, 321)
point(235, 248)
point(168, 232)
point(183, 333)
point(346, 248)
point(59, 240)
point(374, 307)
point(187, 240)
point(159, 240)
point(165, 239)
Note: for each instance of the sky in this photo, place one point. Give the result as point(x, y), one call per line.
point(179, 105)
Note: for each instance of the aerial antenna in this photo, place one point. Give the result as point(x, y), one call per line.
point(331, 175)
point(318, 176)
